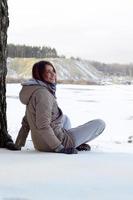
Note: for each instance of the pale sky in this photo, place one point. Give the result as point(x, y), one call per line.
point(100, 30)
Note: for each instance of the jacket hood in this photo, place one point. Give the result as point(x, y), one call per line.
point(26, 92)
point(30, 86)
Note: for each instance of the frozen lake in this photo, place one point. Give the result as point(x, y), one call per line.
point(112, 103)
point(104, 173)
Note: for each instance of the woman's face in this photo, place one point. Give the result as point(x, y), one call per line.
point(49, 75)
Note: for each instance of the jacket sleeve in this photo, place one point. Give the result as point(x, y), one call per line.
point(23, 133)
point(43, 108)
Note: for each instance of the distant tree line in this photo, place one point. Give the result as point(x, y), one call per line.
point(114, 69)
point(24, 51)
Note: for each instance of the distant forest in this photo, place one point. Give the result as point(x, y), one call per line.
point(114, 69)
point(23, 51)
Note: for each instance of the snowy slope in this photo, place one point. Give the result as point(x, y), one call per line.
point(67, 69)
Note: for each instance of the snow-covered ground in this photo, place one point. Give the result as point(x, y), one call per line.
point(105, 173)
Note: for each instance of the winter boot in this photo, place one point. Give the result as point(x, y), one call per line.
point(84, 147)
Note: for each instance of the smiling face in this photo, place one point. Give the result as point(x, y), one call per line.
point(49, 74)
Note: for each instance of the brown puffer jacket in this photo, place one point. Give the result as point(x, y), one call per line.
point(44, 118)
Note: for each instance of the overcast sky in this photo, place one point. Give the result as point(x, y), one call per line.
point(100, 30)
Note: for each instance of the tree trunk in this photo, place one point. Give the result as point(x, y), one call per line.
point(4, 22)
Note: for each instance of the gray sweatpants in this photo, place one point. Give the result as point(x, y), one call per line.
point(84, 133)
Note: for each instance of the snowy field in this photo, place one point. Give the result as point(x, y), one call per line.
point(105, 173)
point(113, 104)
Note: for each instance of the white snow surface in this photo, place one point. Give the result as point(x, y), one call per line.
point(104, 173)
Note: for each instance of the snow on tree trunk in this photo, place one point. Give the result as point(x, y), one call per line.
point(4, 22)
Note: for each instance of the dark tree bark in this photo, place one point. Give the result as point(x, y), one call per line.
point(4, 22)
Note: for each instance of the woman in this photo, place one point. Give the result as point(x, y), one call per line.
point(45, 119)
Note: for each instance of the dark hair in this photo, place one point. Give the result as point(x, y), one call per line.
point(39, 68)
